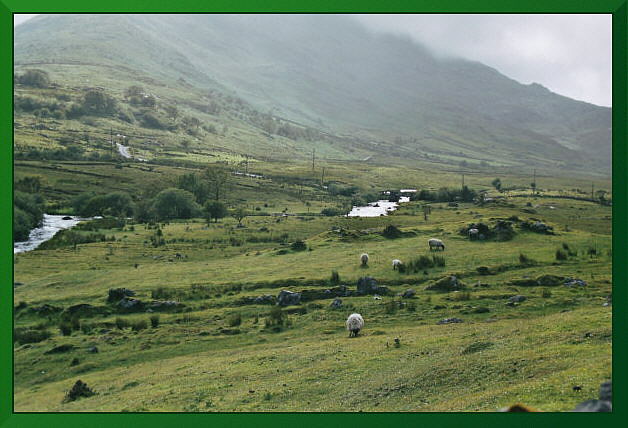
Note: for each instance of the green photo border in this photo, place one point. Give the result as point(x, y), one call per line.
point(620, 226)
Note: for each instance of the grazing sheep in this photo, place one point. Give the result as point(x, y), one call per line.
point(396, 263)
point(436, 243)
point(364, 259)
point(355, 323)
point(473, 234)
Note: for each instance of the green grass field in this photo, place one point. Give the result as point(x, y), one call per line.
point(196, 360)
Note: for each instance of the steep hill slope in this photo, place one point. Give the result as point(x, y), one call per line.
point(330, 72)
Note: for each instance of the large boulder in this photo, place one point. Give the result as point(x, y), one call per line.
point(575, 282)
point(368, 285)
point(537, 227)
point(117, 294)
point(286, 298)
point(162, 306)
point(46, 309)
point(128, 304)
point(408, 294)
point(449, 321)
point(604, 404)
point(336, 304)
point(266, 299)
point(448, 283)
point(60, 349)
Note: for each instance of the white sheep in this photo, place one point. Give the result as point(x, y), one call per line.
point(355, 323)
point(364, 259)
point(436, 243)
point(396, 263)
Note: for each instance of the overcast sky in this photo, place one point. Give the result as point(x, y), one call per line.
point(569, 54)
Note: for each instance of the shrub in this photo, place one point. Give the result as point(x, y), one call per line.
point(26, 335)
point(439, 261)
point(66, 328)
point(121, 323)
point(98, 103)
point(234, 319)
point(423, 262)
point(86, 328)
point(524, 260)
point(331, 212)
point(154, 321)
point(561, 255)
point(462, 296)
point(139, 325)
point(546, 293)
point(35, 78)
point(335, 278)
point(276, 317)
point(298, 245)
point(392, 232)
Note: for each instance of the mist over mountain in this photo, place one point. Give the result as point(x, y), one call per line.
point(333, 73)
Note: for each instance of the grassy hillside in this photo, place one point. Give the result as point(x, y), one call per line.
point(330, 73)
point(222, 352)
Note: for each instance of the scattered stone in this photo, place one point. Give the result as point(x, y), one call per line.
point(74, 362)
point(286, 298)
point(80, 389)
point(575, 282)
point(60, 349)
point(577, 388)
point(448, 283)
point(481, 310)
point(537, 226)
point(517, 299)
point(438, 307)
point(408, 294)
point(128, 304)
point(449, 321)
point(167, 305)
point(266, 299)
point(543, 280)
point(67, 217)
point(92, 350)
point(336, 304)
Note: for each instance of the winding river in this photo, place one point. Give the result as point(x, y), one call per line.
point(50, 225)
point(377, 209)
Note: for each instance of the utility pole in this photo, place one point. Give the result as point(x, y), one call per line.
point(313, 156)
point(246, 167)
point(592, 199)
point(111, 140)
point(534, 182)
point(463, 181)
point(323, 177)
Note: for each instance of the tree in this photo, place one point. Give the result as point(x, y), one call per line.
point(29, 184)
point(214, 210)
point(134, 91)
point(98, 103)
point(175, 203)
point(497, 184)
point(35, 78)
point(218, 179)
point(195, 185)
point(239, 214)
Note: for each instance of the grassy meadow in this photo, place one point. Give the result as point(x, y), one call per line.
point(221, 351)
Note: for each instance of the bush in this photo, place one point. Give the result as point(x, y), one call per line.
point(117, 204)
point(524, 260)
point(422, 263)
point(234, 319)
point(335, 278)
point(66, 328)
point(462, 296)
point(27, 335)
point(139, 325)
point(392, 232)
point(561, 255)
point(35, 78)
point(154, 321)
point(27, 214)
point(121, 323)
point(86, 328)
point(298, 245)
point(276, 317)
point(331, 212)
point(98, 103)
point(546, 293)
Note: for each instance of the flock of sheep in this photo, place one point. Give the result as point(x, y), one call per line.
point(355, 322)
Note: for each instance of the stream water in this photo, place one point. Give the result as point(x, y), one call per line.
point(50, 225)
point(376, 209)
